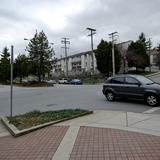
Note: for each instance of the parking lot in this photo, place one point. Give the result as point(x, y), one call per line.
point(62, 97)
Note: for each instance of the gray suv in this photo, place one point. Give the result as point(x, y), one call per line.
point(132, 86)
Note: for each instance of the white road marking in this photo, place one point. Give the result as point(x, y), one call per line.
point(154, 109)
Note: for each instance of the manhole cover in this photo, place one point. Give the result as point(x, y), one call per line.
point(50, 105)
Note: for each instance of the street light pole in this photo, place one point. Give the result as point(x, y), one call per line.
point(11, 90)
point(149, 45)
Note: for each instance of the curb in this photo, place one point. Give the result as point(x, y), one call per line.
point(16, 132)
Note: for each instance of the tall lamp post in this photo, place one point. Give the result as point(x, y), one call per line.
point(149, 45)
point(11, 90)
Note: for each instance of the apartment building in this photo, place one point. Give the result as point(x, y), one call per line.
point(77, 64)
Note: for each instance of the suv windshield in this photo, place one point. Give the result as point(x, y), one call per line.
point(144, 80)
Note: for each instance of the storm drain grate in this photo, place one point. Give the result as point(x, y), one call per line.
point(50, 105)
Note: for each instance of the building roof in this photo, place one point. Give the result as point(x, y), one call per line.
point(78, 54)
point(125, 42)
point(89, 52)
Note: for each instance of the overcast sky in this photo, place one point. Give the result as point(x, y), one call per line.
point(19, 19)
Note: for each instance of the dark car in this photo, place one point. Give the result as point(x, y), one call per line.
point(132, 86)
point(75, 81)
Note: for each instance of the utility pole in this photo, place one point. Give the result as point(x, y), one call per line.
point(112, 36)
point(61, 64)
point(93, 31)
point(66, 41)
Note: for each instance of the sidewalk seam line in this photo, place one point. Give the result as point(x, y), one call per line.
point(139, 121)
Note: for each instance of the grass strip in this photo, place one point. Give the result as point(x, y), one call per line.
point(34, 118)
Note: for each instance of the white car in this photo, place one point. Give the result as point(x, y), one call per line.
point(63, 81)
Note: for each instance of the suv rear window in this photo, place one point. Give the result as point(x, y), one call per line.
point(117, 80)
point(130, 80)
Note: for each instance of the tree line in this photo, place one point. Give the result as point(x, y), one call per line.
point(40, 58)
point(137, 55)
point(38, 61)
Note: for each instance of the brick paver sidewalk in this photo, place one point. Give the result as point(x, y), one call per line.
point(113, 144)
point(38, 145)
point(91, 144)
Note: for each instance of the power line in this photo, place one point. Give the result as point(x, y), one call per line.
point(66, 41)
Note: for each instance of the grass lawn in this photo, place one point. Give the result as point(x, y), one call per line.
point(34, 118)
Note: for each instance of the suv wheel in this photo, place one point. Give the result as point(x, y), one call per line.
point(151, 100)
point(110, 96)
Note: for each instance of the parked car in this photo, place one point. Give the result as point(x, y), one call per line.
point(51, 82)
point(32, 81)
point(24, 81)
point(63, 81)
point(132, 86)
point(75, 81)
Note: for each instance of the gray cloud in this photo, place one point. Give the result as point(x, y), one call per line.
point(20, 18)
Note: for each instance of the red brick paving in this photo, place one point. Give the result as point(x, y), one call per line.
point(38, 145)
point(113, 144)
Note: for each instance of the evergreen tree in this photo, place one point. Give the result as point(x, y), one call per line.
point(142, 40)
point(103, 56)
point(40, 54)
point(137, 53)
point(21, 66)
point(5, 66)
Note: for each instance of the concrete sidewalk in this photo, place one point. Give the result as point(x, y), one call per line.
point(3, 130)
point(138, 122)
point(102, 135)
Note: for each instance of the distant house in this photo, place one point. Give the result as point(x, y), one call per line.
point(123, 47)
point(153, 56)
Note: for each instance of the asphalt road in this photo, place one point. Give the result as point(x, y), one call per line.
point(62, 97)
